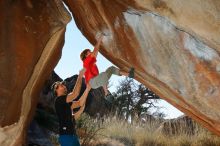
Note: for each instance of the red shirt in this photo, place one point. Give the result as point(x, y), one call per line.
point(91, 68)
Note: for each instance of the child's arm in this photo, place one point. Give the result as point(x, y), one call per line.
point(97, 47)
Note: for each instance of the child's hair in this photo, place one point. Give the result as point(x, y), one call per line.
point(83, 54)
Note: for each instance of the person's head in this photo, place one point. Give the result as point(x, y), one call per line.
point(59, 88)
point(85, 53)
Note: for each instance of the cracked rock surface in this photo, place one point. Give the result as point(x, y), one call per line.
point(173, 45)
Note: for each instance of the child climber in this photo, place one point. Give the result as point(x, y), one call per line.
point(92, 75)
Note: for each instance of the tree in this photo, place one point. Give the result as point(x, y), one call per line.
point(132, 100)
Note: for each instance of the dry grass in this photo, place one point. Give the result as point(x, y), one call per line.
point(119, 133)
point(114, 132)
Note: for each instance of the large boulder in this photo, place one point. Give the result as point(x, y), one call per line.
point(173, 45)
point(31, 40)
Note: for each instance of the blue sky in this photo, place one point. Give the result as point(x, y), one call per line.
point(70, 63)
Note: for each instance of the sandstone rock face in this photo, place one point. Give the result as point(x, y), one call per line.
point(31, 40)
point(173, 45)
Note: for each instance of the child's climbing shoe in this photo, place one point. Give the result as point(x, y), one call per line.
point(131, 73)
